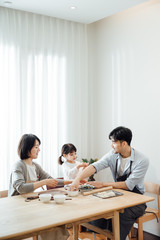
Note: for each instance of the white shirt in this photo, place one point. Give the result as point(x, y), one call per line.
point(122, 164)
point(32, 176)
point(70, 170)
point(31, 173)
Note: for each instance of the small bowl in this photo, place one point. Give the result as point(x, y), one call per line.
point(72, 193)
point(45, 197)
point(59, 198)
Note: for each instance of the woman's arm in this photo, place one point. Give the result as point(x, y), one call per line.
point(48, 182)
point(22, 186)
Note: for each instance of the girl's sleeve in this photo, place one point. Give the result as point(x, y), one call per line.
point(69, 173)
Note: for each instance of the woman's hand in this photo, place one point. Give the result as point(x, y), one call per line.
point(51, 182)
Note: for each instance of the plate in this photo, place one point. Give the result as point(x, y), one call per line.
point(108, 194)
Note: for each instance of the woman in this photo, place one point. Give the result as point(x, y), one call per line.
point(27, 176)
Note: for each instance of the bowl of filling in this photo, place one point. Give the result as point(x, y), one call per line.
point(86, 187)
point(73, 193)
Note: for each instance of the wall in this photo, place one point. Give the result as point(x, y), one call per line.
point(124, 80)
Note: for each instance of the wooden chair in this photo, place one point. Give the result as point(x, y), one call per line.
point(4, 194)
point(150, 213)
point(106, 233)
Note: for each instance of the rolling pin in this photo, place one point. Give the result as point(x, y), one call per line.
point(97, 190)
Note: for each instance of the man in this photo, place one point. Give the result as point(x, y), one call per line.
point(128, 167)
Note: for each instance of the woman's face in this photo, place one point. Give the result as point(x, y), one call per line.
point(35, 150)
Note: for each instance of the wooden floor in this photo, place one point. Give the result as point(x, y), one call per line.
point(148, 236)
point(89, 236)
point(86, 235)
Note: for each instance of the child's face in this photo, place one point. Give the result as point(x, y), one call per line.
point(71, 156)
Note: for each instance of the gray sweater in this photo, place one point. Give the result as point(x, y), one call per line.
point(18, 178)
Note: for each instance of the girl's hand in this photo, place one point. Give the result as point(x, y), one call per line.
point(51, 182)
point(83, 165)
point(83, 181)
point(96, 184)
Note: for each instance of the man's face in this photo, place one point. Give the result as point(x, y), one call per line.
point(117, 145)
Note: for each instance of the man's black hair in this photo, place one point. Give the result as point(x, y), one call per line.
point(121, 134)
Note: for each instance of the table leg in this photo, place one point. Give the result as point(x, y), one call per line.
point(115, 226)
point(75, 231)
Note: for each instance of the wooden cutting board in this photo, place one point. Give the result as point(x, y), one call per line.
point(54, 191)
point(97, 190)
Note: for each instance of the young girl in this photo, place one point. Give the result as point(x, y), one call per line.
point(68, 161)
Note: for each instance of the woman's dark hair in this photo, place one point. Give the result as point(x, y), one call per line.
point(66, 148)
point(121, 134)
point(25, 145)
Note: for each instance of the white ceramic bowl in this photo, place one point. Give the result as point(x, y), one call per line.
point(72, 193)
point(59, 198)
point(46, 197)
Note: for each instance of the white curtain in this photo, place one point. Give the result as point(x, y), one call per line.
point(43, 87)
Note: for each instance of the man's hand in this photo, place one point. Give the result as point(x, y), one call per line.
point(96, 184)
point(88, 171)
point(75, 185)
point(119, 185)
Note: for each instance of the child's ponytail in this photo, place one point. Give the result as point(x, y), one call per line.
point(60, 160)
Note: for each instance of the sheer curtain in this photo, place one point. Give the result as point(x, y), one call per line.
point(43, 87)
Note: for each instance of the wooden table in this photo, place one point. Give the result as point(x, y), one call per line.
point(20, 219)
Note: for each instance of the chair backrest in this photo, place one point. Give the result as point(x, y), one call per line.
point(3, 193)
point(153, 188)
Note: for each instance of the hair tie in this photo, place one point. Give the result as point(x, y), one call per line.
point(63, 159)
